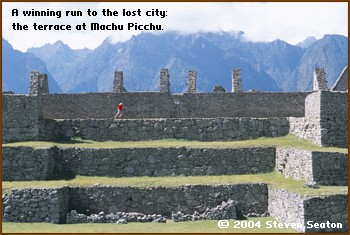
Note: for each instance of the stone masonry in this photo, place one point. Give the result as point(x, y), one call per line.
point(342, 82)
point(118, 82)
point(192, 77)
point(25, 163)
point(236, 80)
point(320, 82)
point(164, 81)
point(38, 82)
point(305, 211)
point(324, 168)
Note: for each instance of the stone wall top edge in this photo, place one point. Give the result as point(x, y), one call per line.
point(318, 197)
point(177, 94)
point(177, 118)
point(313, 151)
point(140, 148)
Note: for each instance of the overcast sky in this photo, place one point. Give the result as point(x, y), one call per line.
point(291, 22)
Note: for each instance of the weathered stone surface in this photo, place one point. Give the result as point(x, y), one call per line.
point(326, 120)
point(25, 163)
point(302, 211)
point(236, 80)
point(342, 82)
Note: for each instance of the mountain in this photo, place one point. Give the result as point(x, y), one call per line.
point(330, 52)
point(307, 42)
point(266, 66)
point(16, 67)
point(60, 60)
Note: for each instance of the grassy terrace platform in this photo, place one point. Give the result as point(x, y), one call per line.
point(274, 179)
point(289, 141)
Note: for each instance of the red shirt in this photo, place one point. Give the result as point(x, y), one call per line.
point(120, 107)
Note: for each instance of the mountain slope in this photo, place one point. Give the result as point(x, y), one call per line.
point(16, 67)
point(60, 60)
point(330, 52)
point(266, 66)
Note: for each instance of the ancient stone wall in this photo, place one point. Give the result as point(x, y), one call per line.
point(304, 212)
point(36, 205)
point(326, 120)
point(325, 168)
point(320, 81)
point(51, 205)
point(294, 163)
point(38, 83)
point(151, 129)
point(163, 105)
point(342, 82)
point(118, 82)
point(331, 209)
point(161, 200)
point(20, 117)
point(286, 207)
point(236, 80)
point(25, 163)
point(192, 77)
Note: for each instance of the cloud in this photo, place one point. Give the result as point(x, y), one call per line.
point(292, 22)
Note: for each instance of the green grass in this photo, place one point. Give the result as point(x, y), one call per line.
point(209, 226)
point(289, 141)
point(274, 179)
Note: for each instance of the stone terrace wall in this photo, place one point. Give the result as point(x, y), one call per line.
point(334, 119)
point(333, 209)
point(167, 161)
point(152, 129)
point(24, 163)
point(20, 117)
point(51, 205)
point(161, 200)
point(326, 119)
point(325, 168)
point(36, 205)
point(295, 163)
point(163, 105)
point(290, 207)
point(286, 207)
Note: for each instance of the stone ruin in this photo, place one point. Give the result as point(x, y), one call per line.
point(320, 82)
point(319, 116)
point(118, 83)
point(38, 83)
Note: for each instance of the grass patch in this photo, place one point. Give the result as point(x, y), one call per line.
point(274, 179)
point(289, 141)
point(209, 226)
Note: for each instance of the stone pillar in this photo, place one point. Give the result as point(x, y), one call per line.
point(44, 83)
point(236, 80)
point(118, 83)
point(38, 82)
point(164, 81)
point(320, 82)
point(192, 77)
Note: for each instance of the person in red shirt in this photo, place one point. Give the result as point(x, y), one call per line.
point(120, 110)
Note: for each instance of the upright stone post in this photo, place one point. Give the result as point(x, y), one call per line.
point(38, 82)
point(320, 82)
point(236, 80)
point(192, 77)
point(118, 83)
point(164, 81)
point(44, 83)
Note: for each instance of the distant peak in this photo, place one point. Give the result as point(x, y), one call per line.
point(307, 42)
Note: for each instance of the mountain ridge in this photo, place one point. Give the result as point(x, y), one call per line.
point(266, 66)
